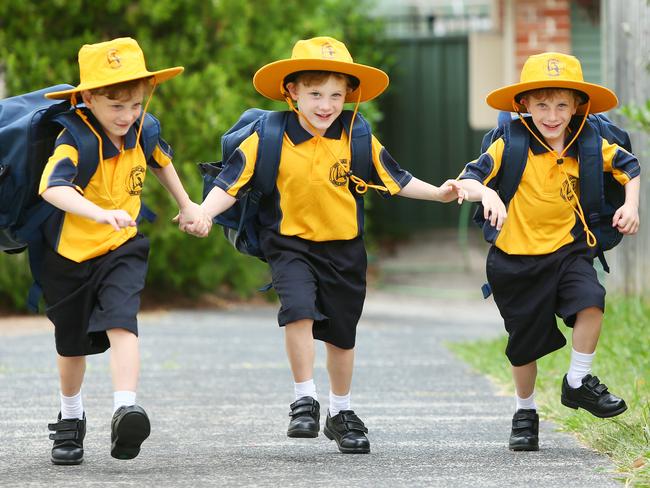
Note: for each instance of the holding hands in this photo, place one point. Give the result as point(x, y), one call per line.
point(193, 220)
point(451, 190)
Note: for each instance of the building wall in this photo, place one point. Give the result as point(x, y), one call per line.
point(541, 25)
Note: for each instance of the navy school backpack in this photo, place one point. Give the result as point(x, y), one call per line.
point(240, 222)
point(29, 126)
point(600, 194)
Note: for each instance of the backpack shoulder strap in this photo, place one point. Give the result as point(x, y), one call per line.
point(361, 146)
point(149, 135)
point(513, 160)
point(271, 133)
point(87, 145)
point(590, 159)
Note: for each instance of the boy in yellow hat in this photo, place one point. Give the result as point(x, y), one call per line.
point(95, 260)
point(312, 235)
point(541, 261)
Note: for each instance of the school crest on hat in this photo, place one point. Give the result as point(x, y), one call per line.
point(552, 70)
point(111, 62)
point(320, 54)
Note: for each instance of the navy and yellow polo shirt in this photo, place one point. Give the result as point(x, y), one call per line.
point(312, 198)
point(541, 218)
point(116, 184)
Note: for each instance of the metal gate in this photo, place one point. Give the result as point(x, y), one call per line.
point(426, 128)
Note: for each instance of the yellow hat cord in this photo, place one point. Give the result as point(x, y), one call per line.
point(360, 186)
point(591, 238)
point(100, 145)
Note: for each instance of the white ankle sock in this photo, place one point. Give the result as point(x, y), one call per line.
point(579, 367)
point(338, 403)
point(123, 399)
point(305, 388)
point(526, 403)
point(72, 406)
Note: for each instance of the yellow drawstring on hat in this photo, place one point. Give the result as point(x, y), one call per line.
point(591, 238)
point(360, 186)
point(100, 144)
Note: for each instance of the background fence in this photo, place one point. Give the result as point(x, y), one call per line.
point(627, 54)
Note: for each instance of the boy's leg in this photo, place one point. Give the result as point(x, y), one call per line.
point(524, 435)
point(586, 330)
point(579, 387)
point(524, 378)
point(342, 424)
point(130, 425)
point(70, 429)
point(305, 410)
point(125, 360)
point(299, 343)
point(71, 374)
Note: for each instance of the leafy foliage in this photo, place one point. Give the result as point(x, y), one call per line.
point(221, 43)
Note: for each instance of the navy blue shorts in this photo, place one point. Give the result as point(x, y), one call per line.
point(86, 299)
point(531, 290)
point(322, 281)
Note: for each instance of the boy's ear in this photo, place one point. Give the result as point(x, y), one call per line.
point(292, 89)
point(523, 101)
point(87, 98)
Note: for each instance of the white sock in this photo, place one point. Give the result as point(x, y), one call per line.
point(338, 403)
point(123, 399)
point(72, 406)
point(305, 388)
point(579, 367)
point(526, 403)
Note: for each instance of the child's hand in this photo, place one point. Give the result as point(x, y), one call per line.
point(493, 208)
point(451, 190)
point(626, 219)
point(193, 220)
point(118, 219)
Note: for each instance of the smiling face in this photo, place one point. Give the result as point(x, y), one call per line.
point(116, 115)
point(551, 113)
point(320, 102)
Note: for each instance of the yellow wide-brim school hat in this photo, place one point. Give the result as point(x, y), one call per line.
point(552, 70)
point(111, 62)
point(320, 54)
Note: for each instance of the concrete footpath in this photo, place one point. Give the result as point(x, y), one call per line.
point(217, 386)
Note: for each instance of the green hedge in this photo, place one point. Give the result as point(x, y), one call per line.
point(221, 43)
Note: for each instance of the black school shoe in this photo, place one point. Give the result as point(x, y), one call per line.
point(348, 431)
point(68, 440)
point(525, 430)
point(593, 397)
point(129, 428)
point(305, 418)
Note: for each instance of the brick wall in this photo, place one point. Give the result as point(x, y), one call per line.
point(541, 25)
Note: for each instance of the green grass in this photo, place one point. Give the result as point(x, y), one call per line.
point(622, 362)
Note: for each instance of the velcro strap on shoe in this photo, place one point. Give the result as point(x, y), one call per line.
point(596, 386)
point(352, 422)
point(309, 409)
point(67, 435)
point(522, 423)
point(64, 425)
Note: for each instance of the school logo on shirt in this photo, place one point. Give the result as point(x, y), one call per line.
point(338, 173)
point(135, 181)
point(568, 192)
